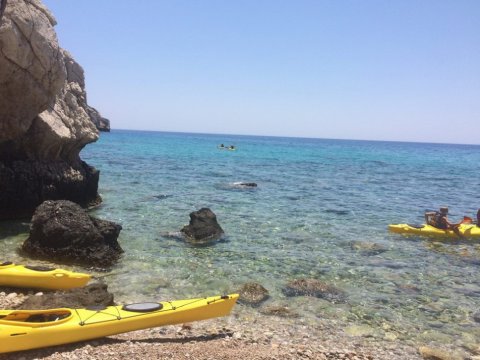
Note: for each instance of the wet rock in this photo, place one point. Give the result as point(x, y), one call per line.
point(90, 295)
point(245, 184)
point(253, 294)
point(203, 227)
point(280, 311)
point(436, 354)
point(64, 232)
point(367, 248)
point(316, 288)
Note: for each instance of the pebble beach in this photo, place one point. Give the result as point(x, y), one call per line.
point(242, 335)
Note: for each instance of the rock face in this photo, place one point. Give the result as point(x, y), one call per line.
point(100, 122)
point(63, 231)
point(44, 118)
point(203, 227)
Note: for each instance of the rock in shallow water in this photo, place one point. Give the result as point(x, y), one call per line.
point(253, 294)
point(367, 248)
point(203, 227)
point(63, 231)
point(316, 288)
point(280, 311)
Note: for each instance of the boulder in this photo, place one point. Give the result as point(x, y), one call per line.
point(203, 227)
point(64, 232)
point(316, 288)
point(253, 294)
point(88, 296)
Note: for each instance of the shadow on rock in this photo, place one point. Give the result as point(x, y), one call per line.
point(88, 296)
point(62, 231)
point(203, 228)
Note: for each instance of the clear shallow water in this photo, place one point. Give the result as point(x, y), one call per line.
point(314, 198)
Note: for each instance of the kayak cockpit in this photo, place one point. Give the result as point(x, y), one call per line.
point(40, 318)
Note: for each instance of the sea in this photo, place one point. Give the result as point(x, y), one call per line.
point(320, 210)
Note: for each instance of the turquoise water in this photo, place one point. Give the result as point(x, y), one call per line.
point(314, 198)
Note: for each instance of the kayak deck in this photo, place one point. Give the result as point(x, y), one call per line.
point(30, 329)
point(40, 277)
point(467, 230)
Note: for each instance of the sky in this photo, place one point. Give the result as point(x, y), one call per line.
point(400, 70)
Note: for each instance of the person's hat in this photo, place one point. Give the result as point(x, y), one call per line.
point(444, 210)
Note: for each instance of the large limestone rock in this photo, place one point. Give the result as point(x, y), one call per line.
point(63, 231)
point(32, 69)
point(45, 120)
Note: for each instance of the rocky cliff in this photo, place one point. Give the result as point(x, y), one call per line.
point(44, 118)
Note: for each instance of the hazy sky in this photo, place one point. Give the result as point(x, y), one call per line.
point(359, 69)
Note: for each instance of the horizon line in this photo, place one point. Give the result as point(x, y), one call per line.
point(295, 137)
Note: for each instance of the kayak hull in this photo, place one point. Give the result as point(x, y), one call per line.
point(17, 332)
point(38, 277)
point(467, 230)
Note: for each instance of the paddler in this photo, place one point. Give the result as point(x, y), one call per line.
point(442, 222)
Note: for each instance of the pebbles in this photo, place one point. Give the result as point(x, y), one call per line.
point(11, 300)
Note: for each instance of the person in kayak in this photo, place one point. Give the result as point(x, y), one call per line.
point(442, 222)
point(478, 218)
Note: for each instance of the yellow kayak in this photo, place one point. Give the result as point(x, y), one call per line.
point(467, 230)
point(30, 329)
point(40, 277)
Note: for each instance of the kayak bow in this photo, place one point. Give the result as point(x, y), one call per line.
point(40, 277)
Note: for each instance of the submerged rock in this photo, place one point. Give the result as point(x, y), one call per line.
point(437, 354)
point(63, 231)
point(253, 294)
point(90, 295)
point(367, 248)
point(280, 311)
point(316, 288)
point(203, 227)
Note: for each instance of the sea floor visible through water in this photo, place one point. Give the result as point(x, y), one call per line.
point(320, 210)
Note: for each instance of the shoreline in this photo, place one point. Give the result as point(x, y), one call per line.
point(242, 335)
